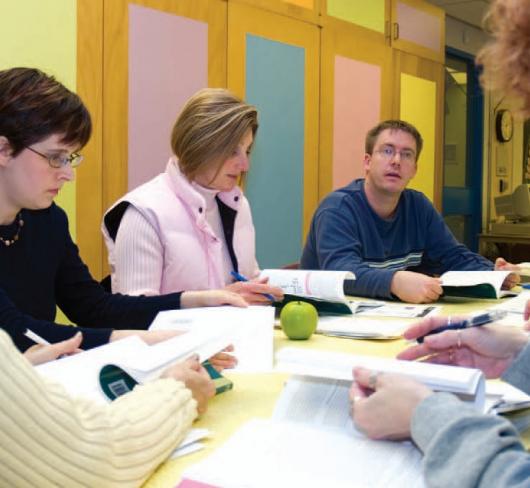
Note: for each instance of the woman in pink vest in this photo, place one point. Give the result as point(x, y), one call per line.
point(190, 228)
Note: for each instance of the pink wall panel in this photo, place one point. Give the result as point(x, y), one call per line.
point(357, 107)
point(418, 26)
point(168, 62)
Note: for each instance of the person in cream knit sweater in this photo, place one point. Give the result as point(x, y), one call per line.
point(52, 439)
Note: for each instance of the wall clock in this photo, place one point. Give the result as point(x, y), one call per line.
point(504, 125)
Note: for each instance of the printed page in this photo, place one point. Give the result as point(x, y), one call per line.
point(396, 310)
point(471, 278)
point(266, 453)
point(468, 383)
point(515, 305)
point(325, 285)
point(252, 331)
point(357, 327)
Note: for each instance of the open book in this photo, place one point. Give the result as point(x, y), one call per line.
point(467, 383)
point(323, 289)
point(475, 284)
point(81, 374)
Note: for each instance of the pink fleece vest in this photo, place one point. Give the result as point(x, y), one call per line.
point(193, 257)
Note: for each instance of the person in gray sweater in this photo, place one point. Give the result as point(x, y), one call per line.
point(461, 446)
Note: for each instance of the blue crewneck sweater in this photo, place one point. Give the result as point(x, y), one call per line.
point(346, 234)
point(43, 270)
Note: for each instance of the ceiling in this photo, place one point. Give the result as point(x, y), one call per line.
point(470, 11)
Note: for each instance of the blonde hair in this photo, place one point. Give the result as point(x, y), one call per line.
point(209, 129)
point(506, 59)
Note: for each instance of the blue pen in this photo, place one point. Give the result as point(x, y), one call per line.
point(240, 277)
point(477, 321)
point(526, 286)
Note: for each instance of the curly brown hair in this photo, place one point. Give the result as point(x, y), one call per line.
point(506, 59)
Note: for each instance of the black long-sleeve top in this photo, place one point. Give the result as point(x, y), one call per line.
point(43, 270)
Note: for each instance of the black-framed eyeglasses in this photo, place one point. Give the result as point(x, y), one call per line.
point(57, 162)
point(389, 152)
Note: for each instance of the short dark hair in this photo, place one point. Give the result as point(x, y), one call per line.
point(34, 106)
point(373, 134)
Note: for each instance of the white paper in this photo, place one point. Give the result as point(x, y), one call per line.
point(267, 453)
point(191, 443)
point(361, 328)
point(398, 310)
point(472, 278)
point(468, 383)
point(252, 330)
point(325, 285)
point(515, 305)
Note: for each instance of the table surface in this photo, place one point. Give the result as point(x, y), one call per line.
point(254, 395)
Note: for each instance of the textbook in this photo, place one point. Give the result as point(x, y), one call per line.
point(355, 327)
point(87, 374)
point(467, 383)
point(475, 284)
point(323, 289)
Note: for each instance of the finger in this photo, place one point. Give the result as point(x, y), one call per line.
point(445, 357)
point(415, 352)
point(193, 362)
point(356, 392)
point(500, 263)
point(364, 378)
point(421, 328)
point(264, 279)
point(446, 340)
point(229, 348)
point(234, 299)
point(527, 310)
point(68, 346)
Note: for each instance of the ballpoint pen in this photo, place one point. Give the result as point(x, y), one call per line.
point(478, 320)
point(240, 277)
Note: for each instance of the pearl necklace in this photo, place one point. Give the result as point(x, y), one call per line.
point(9, 242)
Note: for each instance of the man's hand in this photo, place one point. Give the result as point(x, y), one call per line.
point(254, 291)
point(195, 377)
point(489, 348)
point(512, 279)
point(413, 287)
point(43, 353)
point(211, 298)
point(382, 404)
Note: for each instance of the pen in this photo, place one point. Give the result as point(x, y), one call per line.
point(477, 321)
point(240, 277)
point(37, 339)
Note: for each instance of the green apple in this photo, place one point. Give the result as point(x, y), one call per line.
point(299, 320)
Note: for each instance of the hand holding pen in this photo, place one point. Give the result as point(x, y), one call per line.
point(491, 348)
point(256, 292)
point(476, 321)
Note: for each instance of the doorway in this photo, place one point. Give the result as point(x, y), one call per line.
point(463, 140)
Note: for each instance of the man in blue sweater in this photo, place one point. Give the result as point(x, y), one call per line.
point(391, 238)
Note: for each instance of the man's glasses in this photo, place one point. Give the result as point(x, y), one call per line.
point(389, 153)
point(58, 162)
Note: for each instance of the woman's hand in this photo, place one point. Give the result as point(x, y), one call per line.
point(195, 377)
point(211, 298)
point(489, 348)
point(222, 360)
point(255, 291)
point(382, 404)
point(148, 336)
point(39, 353)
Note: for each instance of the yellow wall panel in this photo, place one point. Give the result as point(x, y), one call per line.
point(366, 14)
point(418, 106)
point(43, 35)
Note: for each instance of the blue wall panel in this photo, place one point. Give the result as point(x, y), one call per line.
point(275, 183)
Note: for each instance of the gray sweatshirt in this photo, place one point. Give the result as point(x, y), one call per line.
point(466, 449)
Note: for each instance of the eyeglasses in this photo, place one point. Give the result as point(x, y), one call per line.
point(389, 153)
point(74, 160)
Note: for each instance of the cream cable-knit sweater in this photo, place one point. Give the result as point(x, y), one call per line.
point(49, 438)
